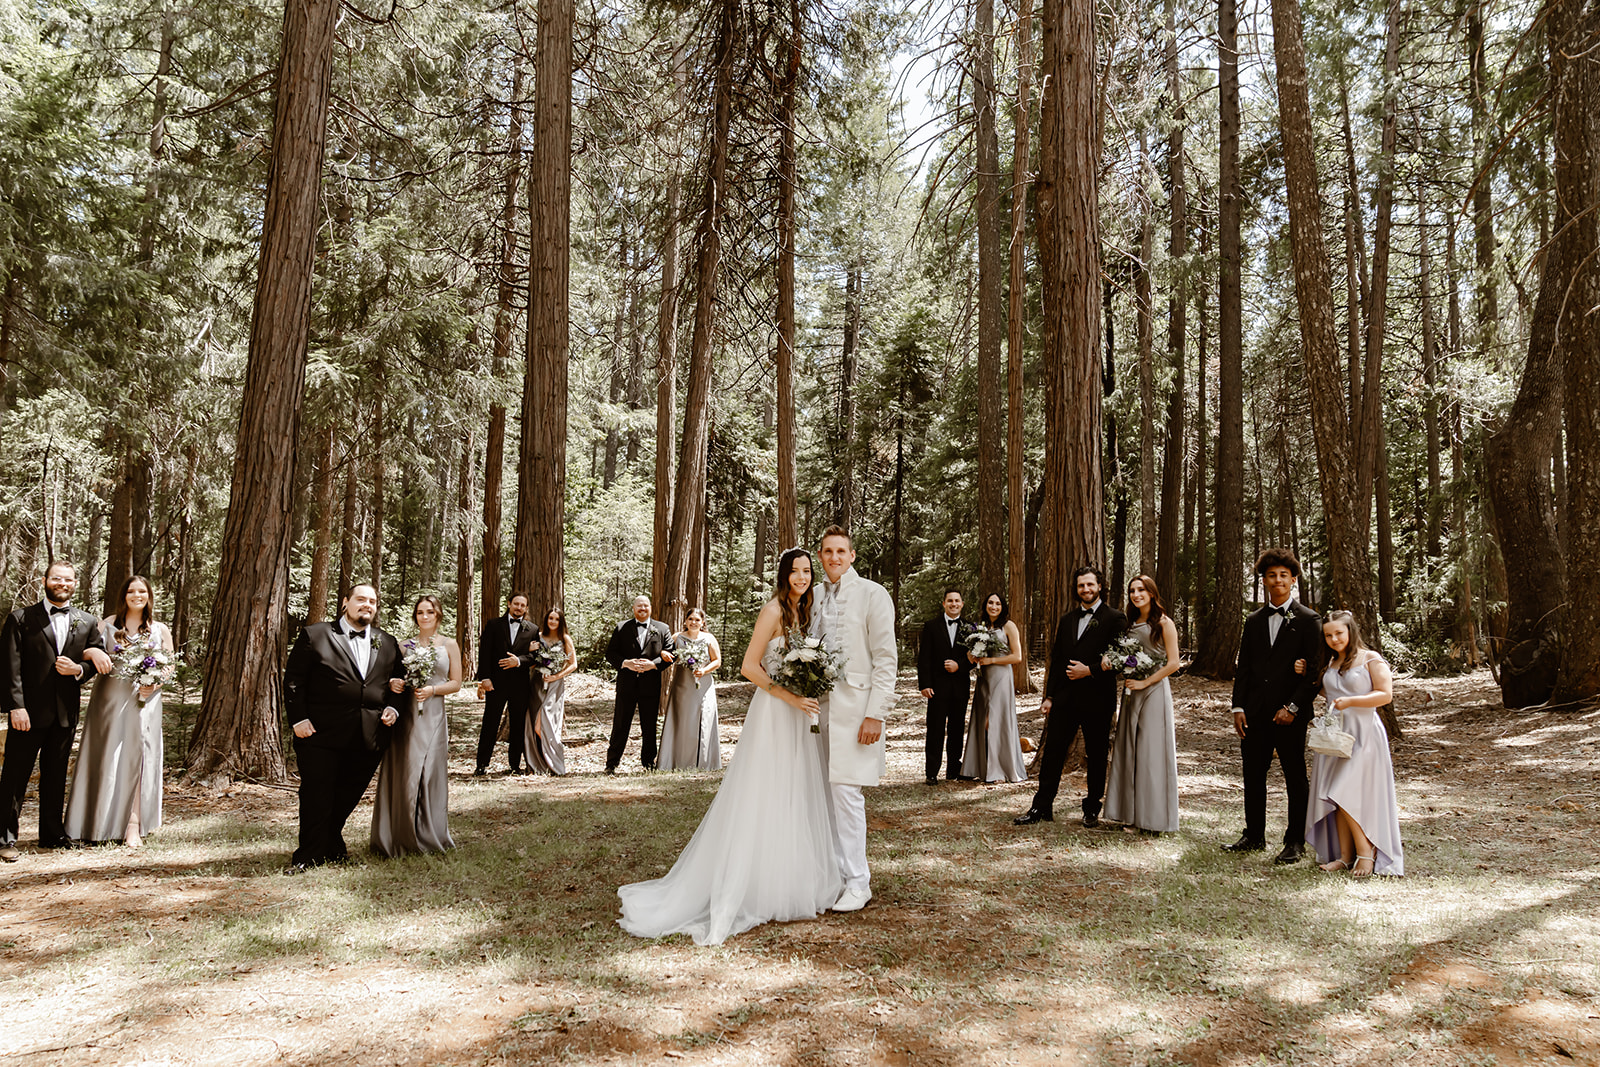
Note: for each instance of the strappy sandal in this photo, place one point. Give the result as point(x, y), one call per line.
point(1370, 861)
point(1333, 866)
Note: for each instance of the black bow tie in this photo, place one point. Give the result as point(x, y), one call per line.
point(1283, 612)
point(356, 634)
point(60, 611)
point(1084, 613)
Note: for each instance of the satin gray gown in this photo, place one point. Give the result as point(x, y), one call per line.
point(119, 756)
point(409, 812)
point(993, 747)
point(547, 708)
point(689, 729)
point(1143, 788)
point(1363, 784)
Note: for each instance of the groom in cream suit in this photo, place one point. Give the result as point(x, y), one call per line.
point(855, 617)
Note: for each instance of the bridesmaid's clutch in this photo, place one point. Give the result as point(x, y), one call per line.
point(1327, 739)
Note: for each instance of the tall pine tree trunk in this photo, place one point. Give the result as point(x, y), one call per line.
point(464, 627)
point(788, 528)
point(667, 358)
point(1016, 321)
point(1348, 578)
point(991, 428)
point(238, 729)
point(1144, 313)
point(1174, 462)
point(542, 458)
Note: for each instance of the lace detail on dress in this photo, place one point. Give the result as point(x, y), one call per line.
point(772, 658)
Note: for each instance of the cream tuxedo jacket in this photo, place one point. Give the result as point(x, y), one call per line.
point(865, 688)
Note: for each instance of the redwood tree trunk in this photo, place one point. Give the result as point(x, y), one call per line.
point(666, 362)
point(788, 509)
point(991, 428)
point(1069, 256)
point(1349, 580)
point(1016, 316)
point(542, 466)
point(238, 729)
point(1174, 462)
point(1144, 317)
point(464, 629)
point(1219, 636)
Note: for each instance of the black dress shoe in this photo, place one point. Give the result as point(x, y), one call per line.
point(1091, 820)
point(1245, 844)
point(933, 779)
point(1292, 853)
point(479, 772)
point(611, 770)
point(1033, 815)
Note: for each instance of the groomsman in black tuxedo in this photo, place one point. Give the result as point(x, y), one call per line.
point(504, 665)
point(638, 651)
point(1079, 693)
point(337, 696)
point(944, 676)
point(1272, 702)
point(51, 649)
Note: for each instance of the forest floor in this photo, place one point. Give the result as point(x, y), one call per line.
point(985, 943)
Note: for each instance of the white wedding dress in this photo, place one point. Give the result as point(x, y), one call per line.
point(764, 850)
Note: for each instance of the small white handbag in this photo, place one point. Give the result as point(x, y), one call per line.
point(1327, 739)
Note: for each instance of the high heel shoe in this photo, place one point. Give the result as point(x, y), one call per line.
point(1369, 860)
point(1333, 866)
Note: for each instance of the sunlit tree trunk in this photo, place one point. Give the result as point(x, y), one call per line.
point(1016, 321)
point(788, 531)
point(991, 427)
point(1175, 461)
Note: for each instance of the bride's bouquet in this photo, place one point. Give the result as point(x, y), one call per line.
point(983, 642)
point(692, 656)
point(139, 658)
point(418, 660)
point(549, 660)
point(1130, 659)
point(809, 669)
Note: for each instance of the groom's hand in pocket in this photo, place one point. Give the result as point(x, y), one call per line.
point(871, 730)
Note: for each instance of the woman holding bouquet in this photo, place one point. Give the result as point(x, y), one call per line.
point(994, 749)
point(116, 786)
point(689, 733)
point(764, 850)
point(1352, 820)
point(1143, 789)
point(554, 658)
point(409, 811)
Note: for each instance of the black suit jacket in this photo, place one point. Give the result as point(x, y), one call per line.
point(496, 643)
point(30, 657)
point(1265, 679)
point(321, 683)
point(934, 648)
point(624, 645)
point(1101, 685)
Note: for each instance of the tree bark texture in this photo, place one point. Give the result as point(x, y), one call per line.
point(788, 176)
point(322, 548)
point(1349, 579)
point(1073, 531)
point(464, 628)
point(1174, 461)
point(1144, 317)
point(238, 729)
point(991, 427)
point(666, 362)
point(542, 458)
point(1016, 321)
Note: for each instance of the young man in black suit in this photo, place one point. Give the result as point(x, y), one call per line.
point(1079, 694)
point(1272, 702)
point(338, 696)
point(944, 676)
point(504, 674)
point(51, 649)
point(638, 651)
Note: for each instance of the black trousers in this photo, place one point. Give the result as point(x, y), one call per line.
point(332, 780)
point(1261, 741)
point(50, 747)
point(501, 698)
point(643, 696)
point(1067, 717)
point(947, 730)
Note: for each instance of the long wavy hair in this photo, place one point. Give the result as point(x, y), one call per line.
point(1156, 609)
point(121, 618)
point(560, 632)
point(796, 617)
point(1005, 611)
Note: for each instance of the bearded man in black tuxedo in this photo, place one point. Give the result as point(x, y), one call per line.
point(337, 693)
point(1079, 694)
point(944, 676)
point(51, 649)
point(505, 658)
point(638, 651)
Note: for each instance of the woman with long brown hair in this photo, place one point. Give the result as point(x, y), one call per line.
point(1143, 789)
point(764, 851)
point(410, 810)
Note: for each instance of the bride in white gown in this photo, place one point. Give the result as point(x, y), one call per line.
point(764, 850)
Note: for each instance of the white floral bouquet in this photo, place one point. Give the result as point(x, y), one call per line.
point(693, 655)
point(809, 669)
point(139, 658)
point(548, 659)
point(1130, 659)
point(983, 642)
point(418, 660)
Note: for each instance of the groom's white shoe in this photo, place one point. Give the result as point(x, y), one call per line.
point(852, 900)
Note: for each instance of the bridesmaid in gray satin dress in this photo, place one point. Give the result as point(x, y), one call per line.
point(409, 812)
point(689, 729)
point(1142, 791)
point(993, 747)
point(116, 785)
point(547, 710)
